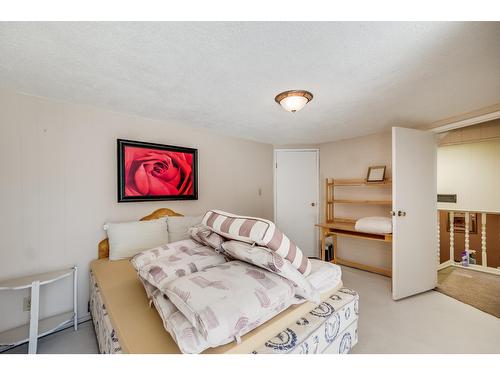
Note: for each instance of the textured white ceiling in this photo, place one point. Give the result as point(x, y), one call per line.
point(365, 76)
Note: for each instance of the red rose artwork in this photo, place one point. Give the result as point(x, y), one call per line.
point(164, 172)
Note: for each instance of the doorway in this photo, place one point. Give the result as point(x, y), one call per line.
point(468, 251)
point(296, 196)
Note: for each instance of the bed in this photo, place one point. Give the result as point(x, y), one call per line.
point(125, 321)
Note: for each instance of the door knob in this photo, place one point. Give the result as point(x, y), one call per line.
point(393, 213)
point(313, 204)
point(401, 213)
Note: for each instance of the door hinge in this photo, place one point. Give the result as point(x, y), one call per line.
point(276, 165)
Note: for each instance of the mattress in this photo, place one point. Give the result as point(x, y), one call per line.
point(330, 327)
point(126, 323)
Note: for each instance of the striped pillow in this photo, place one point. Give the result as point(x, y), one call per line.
point(260, 231)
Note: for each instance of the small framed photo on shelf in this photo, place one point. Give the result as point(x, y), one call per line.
point(376, 174)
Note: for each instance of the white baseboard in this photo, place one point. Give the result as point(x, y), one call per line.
point(475, 267)
point(444, 265)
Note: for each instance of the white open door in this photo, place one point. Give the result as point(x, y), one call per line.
point(296, 197)
point(414, 204)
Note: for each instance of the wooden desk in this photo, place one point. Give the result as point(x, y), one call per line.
point(345, 228)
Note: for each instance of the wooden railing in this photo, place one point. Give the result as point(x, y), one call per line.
point(480, 253)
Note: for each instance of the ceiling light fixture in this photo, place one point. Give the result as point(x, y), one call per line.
point(293, 100)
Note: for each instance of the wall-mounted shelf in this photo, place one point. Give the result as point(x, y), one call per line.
point(37, 328)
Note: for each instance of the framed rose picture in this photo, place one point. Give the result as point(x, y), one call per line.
point(155, 172)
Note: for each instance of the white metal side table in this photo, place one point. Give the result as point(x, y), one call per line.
point(38, 328)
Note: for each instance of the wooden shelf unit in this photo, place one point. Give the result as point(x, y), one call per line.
point(344, 227)
point(356, 182)
point(330, 194)
point(360, 201)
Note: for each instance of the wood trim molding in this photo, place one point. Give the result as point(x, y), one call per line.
point(466, 119)
point(483, 132)
point(103, 246)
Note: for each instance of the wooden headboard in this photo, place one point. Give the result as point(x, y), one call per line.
point(103, 247)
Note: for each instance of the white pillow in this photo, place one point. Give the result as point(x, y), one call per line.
point(129, 238)
point(178, 226)
point(374, 224)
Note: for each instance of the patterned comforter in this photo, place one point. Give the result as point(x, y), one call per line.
point(220, 304)
point(206, 300)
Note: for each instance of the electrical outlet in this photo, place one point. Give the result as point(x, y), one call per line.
point(26, 303)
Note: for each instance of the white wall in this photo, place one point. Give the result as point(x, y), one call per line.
point(351, 158)
point(472, 171)
point(58, 187)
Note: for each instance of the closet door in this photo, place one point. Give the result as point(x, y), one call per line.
point(296, 197)
point(414, 204)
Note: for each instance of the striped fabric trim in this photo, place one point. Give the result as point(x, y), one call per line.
point(211, 219)
point(259, 231)
point(246, 227)
point(226, 224)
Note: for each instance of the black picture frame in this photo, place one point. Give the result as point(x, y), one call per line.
point(121, 173)
point(376, 167)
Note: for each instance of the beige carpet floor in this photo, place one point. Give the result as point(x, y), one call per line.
point(478, 289)
point(429, 322)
